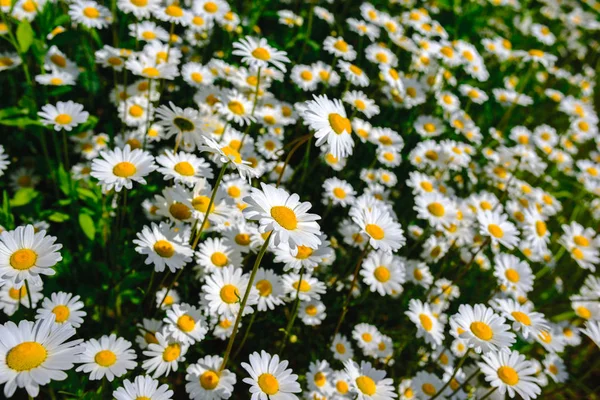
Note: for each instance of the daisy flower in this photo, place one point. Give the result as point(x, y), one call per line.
point(554, 366)
point(367, 382)
point(141, 9)
point(236, 107)
point(56, 78)
point(513, 273)
point(426, 385)
point(173, 13)
point(592, 330)
point(270, 377)
point(305, 77)
point(312, 312)
point(164, 355)
point(384, 233)
point(118, 168)
point(525, 320)
point(164, 247)
point(13, 298)
point(367, 336)
point(258, 54)
point(359, 101)
point(339, 48)
point(284, 215)
point(183, 167)
point(33, 354)
point(215, 253)
point(147, 332)
point(65, 307)
point(437, 209)
point(25, 255)
point(205, 381)
point(329, 121)
point(510, 372)
point(185, 323)
point(108, 357)
point(185, 123)
point(428, 325)
point(353, 73)
point(308, 288)
point(90, 14)
point(341, 348)
point(224, 290)
point(383, 273)
point(4, 162)
point(495, 225)
point(65, 115)
point(483, 329)
point(270, 289)
point(142, 387)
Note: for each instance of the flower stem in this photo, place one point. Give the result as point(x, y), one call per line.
point(261, 253)
point(290, 324)
point(460, 363)
point(210, 204)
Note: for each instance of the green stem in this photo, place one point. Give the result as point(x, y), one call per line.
point(290, 324)
point(460, 363)
point(210, 204)
point(261, 253)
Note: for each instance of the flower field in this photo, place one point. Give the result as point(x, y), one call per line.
point(280, 200)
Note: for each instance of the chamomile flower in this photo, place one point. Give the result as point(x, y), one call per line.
point(258, 54)
point(109, 357)
point(510, 372)
point(428, 325)
point(339, 48)
point(164, 247)
point(341, 348)
point(25, 255)
point(215, 253)
point(270, 289)
point(355, 75)
point(183, 167)
point(592, 330)
point(164, 355)
point(426, 385)
point(554, 366)
point(205, 380)
point(90, 14)
point(383, 231)
point(525, 320)
point(185, 323)
point(360, 102)
point(284, 215)
point(367, 336)
point(224, 290)
point(383, 272)
point(33, 354)
point(270, 377)
point(495, 225)
point(13, 298)
point(329, 121)
point(119, 168)
point(65, 307)
point(483, 329)
point(513, 273)
point(319, 377)
point(142, 387)
point(65, 115)
point(308, 288)
point(367, 382)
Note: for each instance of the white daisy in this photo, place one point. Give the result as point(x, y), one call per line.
point(64, 115)
point(65, 307)
point(205, 380)
point(119, 168)
point(269, 377)
point(108, 357)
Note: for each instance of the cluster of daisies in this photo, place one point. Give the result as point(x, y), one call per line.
point(413, 185)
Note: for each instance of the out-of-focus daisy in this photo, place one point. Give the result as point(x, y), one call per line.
point(258, 54)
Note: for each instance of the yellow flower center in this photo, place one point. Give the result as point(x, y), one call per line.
point(62, 313)
point(200, 203)
point(243, 239)
point(341, 45)
point(495, 231)
point(340, 348)
point(164, 248)
point(264, 287)
point(172, 352)
point(184, 168)
point(581, 241)
point(236, 107)
point(355, 70)
point(583, 312)
point(186, 323)
point(105, 358)
point(209, 380)
point(210, 7)
point(91, 12)
point(521, 317)
point(26, 356)
point(180, 211)
point(358, 103)
point(304, 252)
point(311, 310)
point(58, 60)
point(339, 124)
point(261, 53)
point(304, 286)
point(285, 217)
point(428, 389)
point(437, 209)
point(367, 337)
point(320, 379)
point(150, 72)
point(150, 337)
point(482, 330)
point(17, 294)
point(174, 11)
point(124, 169)
point(306, 75)
point(139, 3)
point(512, 275)
point(375, 231)
point(508, 375)
point(342, 387)
point(268, 384)
point(382, 274)
point(23, 259)
point(366, 385)
point(230, 294)
point(426, 322)
point(219, 259)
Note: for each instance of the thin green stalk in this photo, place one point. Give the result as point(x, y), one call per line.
point(460, 363)
point(261, 253)
point(290, 324)
point(28, 294)
point(210, 204)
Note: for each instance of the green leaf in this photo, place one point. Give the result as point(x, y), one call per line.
point(87, 194)
point(11, 112)
point(23, 196)
point(87, 225)
point(89, 124)
point(24, 35)
point(22, 122)
point(58, 217)
point(64, 181)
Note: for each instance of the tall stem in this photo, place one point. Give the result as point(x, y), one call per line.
point(290, 324)
point(210, 204)
point(261, 253)
point(460, 363)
